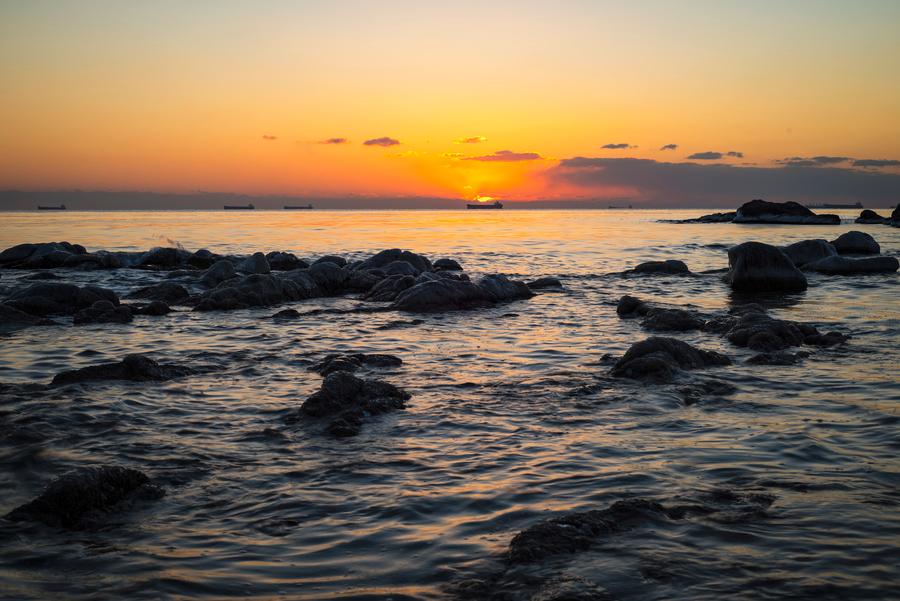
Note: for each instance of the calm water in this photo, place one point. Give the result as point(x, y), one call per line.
point(511, 421)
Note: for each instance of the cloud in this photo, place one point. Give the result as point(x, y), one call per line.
point(706, 156)
point(721, 185)
point(335, 141)
point(507, 156)
point(472, 140)
point(383, 141)
point(619, 146)
point(812, 161)
point(875, 163)
point(453, 155)
point(269, 138)
point(735, 154)
point(669, 147)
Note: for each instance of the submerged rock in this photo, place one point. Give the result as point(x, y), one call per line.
point(136, 368)
point(348, 399)
point(758, 267)
point(758, 331)
point(661, 359)
point(778, 358)
point(546, 282)
point(667, 267)
point(51, 298)
point(760, 211)
point(856, 243)
point(808, 251)
point(103, 311)
point(571, 588)
point(671, 320)
point(631, 306)
point(12, 319)
point(154, 308)
point(352, 361)
point(871, 217)
point(845, 266)
point(85, 497)
point(168, 292)
point(711, 218)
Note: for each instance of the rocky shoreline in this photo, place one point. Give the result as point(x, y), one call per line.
point(788, 213)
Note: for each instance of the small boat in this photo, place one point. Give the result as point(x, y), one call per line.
point(59, 208)
point(298, 207)
point(485, 205)
point(857, 205)
point(248, 207)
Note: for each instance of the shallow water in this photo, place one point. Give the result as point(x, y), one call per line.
point(511, 421)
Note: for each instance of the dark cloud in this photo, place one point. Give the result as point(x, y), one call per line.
point(720, 185)
point(619, 146)
point(735, 154)
point(268, 137)
point(826, 160)
point(812, 161)
point(706, 156)
point(471, 140)
point(507, 156)
point(335, 141)
point(383, 141)
point(876, 163)
point(670, 147)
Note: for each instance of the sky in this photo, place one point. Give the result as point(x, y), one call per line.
point(659, 103)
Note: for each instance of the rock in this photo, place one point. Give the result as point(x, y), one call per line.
point(285, 261)
point(164, 257)
point(85, 497)
point(542, 283)
point(136, 368)
point(203, 259)
point(17, 253)
point(758, 267)
point(52, 298)
point(400, 268)
point(347, 399)
point(103, 311)
point(808, 251)
point(386, 257)
point(98, 260)
point(389, 288)
point(671, 320)
point(760, 211)
point(669, 267)
point(846, 266)
point(440, 295)
point(40, 256)
point(711, 218)
point(257, 290)
point(329, 277)
point(856, 243)
point(871, 217)
point(631, 306)
point(447, 265)
point(287, 314)
point(895, 216)
point(155, 309)
point(255, 263)
point(777, 358)
point(339, 261)
point(500, 288)
point(660, 359)
point(217, 273)
point(168, 292)
point(352, 361)
point(758, 331)
point(11, 319)
point(571, 588)
point(360, 281)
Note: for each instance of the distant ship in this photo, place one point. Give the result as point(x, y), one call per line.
point(59, 208)
point(857, 205)
point(248, 207)
point(615, 207)
point(297, 208)
point(485, 205)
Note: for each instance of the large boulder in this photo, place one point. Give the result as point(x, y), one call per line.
point(203, 259)
point(40, 256)
point(447, 265)
point(871, 217)
point(760, 211)
point(808, 251)
point(285, 261)
point(758, 267)
point(856, 243)
point(257, 290)
point(667, 267)
point(388, 289)
point(753, 328)
point(440, 295)
point(136, 368)
point(164, 257)
point(255, 263)
point(329, 277)
point(339, 261)
point(661, 359)
point(85, 497)
point(51, 298)
point(348, 399)
point(846, 266)
point(218, 272)
point(167, 292)
point(386, 257)
point(500, 288)
point(631, 306)
point(103, 311)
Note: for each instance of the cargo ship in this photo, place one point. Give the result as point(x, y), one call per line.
point(248, 207)
point(298, 207)
point(485, 205)
point(857, 205)
point(59, 208)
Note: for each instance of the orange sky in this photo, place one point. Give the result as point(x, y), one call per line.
point(172, 96)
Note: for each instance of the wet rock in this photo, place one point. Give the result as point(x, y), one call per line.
point(760, 332)
point(760, 211)
point(500, 288)
point(758, 267)
point(352, 361)
point(440, 295)
point(808, 251)
point(895, 216)
point(103, 311)
point(711, 218)
point(44, 255)
point(846, 266)
point(17, 253)
point(447, 265)
point(53, 298)
point(220, 271)
point(285, 261)
point(400, 268)
point(400, 323)
point(871, 217)
point(203, 259)
point(85, 497)
point(257, 290)
point(360, 281)
point(339, 261)
point(542, 283)
point(661, 359)
point(705, 390)
point(168, 292)
point(389, 288)
point(778, 358)
point(255, 263)
point(671, 320)
point(386, 257)
point(136, 368)
point(303, 283)
point(348, 399)
point(631, 306)
point(667, 267)
point(287, 314)
point(164, 257)
point(856, 243)
point(11, 319)
point(155, 309)
point(571, 588)
point(329, 277)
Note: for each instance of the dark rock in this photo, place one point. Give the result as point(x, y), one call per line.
point(760, 332)
point(347, 399)
point(155, 309)
point(757, 267)
point(660, 359)
point(778, 358)
point(386, 257)
point(352, 361)
point(329, 277)
point(12, 319)
point(631, 306)
point(669, 267)
point(58, 298)
point(203, 259)
point(440, 295)
point(257, 290)
point(103, 311)
point(255, 263)
point(360, 281)
point(856, 243)
point(541, 283)
point(339, 261)
point(284, 261)
point(400, 268)
point(500, 288)
point(871, 217)
point(287, 314)
point(98, 260)
point(447, 265)
point(671, 320)
point(17, 253)
point(711, 218)
point(760, 211)
point(846, 266)
point(571, 588)
point(895, 216)
point(136, 368)
point(808, 251)
point(85, 497)
point(220, 271)
point(40, 256)
point(164, 257)
point(168, 292)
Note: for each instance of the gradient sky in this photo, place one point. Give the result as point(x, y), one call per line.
point(482, 98)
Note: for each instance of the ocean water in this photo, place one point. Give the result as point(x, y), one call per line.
point(513, 419)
